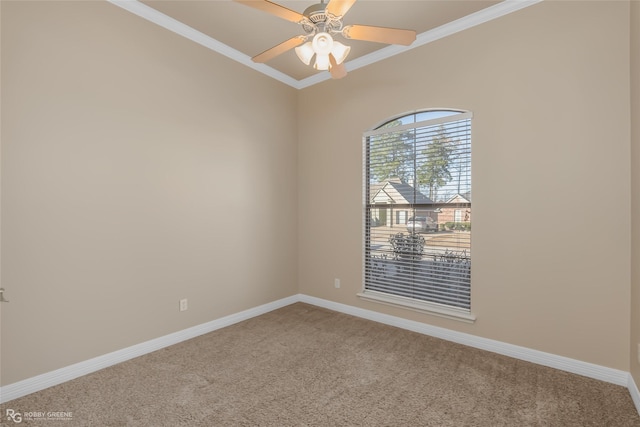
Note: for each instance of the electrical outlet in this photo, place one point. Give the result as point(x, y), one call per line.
point(184, 304)
point(336, 283)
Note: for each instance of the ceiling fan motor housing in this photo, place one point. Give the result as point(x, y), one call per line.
point(320, 20)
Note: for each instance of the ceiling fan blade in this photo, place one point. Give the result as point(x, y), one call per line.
point(338, 8)
point(337, 71)
point(379, 34)
point(274, 9)
point(269, 54)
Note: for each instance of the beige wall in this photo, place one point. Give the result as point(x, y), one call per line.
point(635, 189)
point(138, 168)
point(549, 90)
point(127, 158)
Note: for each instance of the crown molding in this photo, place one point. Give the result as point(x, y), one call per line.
point(450, 28)
point(150, 14)
point(165, 21)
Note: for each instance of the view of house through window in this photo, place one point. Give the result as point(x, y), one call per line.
point(418, 209)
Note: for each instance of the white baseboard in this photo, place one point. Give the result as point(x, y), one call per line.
point(574, 366)
point(49, 379)
point(59, 376)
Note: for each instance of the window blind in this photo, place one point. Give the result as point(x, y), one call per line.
point(417, 215)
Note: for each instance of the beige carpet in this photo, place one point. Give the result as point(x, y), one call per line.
point(306, 366)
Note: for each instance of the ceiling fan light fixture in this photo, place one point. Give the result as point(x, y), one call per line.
point(322, 46)
point(305, 53)
point(320, 21)
point(322, 62)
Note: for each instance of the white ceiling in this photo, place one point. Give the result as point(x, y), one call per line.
point(241, 32)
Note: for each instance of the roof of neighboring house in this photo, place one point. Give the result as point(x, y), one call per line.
point(466, 198)
point(395, 191)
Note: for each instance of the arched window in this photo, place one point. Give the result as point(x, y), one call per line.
point(417, 215)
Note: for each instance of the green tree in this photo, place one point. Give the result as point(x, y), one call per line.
point(433, 172)
point(391, 154)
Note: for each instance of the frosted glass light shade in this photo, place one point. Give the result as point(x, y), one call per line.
point(322, 43)
point(322, 62)
point(305, 53)
point(340, 52)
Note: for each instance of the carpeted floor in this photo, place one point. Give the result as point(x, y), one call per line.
point(306, 366)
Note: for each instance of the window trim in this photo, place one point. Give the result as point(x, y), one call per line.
point(432, 308)
point(417, 305)
point(430, 122)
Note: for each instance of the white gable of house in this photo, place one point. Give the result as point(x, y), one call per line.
point(458, 198)
point(389, 193)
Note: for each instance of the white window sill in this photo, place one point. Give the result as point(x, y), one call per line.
point(420, 306)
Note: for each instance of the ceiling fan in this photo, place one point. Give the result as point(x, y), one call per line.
point(320, 22)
